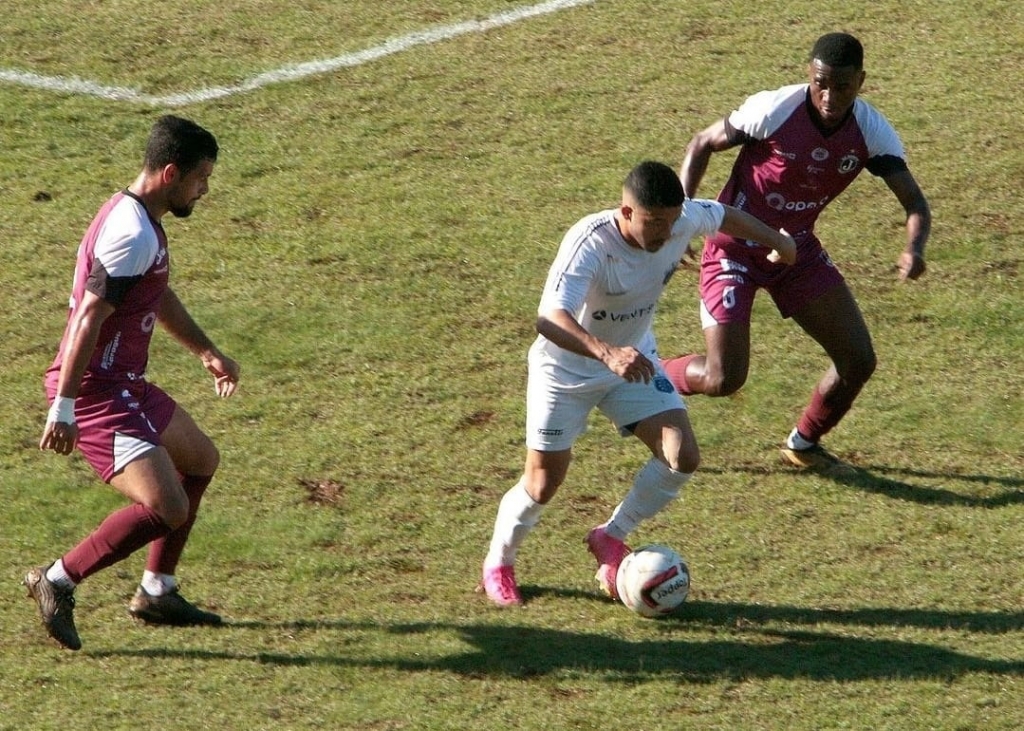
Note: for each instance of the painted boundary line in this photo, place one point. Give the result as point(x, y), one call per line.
point(292, 72)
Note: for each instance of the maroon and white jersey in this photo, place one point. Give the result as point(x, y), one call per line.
point(788, 169)
point(122, 259)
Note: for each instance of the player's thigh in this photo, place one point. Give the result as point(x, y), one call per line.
point(152, 480)
point(669, 435)
point(556, 412)
point(631, 404)
point(836, 323)
point(190, 449)
point(118, 425)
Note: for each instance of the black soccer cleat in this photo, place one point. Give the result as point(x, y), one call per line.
point(170, 609)
point(56, 607)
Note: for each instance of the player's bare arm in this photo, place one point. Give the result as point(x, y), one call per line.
point(61, 432)
point(561, 328)
point(911, 263)
point(715, 138)
point(744, 226)
point(179, 323)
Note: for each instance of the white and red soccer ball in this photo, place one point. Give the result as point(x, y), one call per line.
point(653, 580)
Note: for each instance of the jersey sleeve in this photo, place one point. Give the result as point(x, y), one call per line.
point(885, 150)
point(123, 253)
point(571, 275)
point(700, 217)
point(764, 112)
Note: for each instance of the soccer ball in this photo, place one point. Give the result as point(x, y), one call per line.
point(653, 580)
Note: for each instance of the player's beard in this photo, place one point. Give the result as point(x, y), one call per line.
point(183, 211)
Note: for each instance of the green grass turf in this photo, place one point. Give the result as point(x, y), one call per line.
point(372, 250)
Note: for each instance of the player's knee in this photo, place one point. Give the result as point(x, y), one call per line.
point(542, 491)
point(724, 383)
point(860, 368)
point(212, 460)
point(205, 460)
point(685, 461)
point(174, 514)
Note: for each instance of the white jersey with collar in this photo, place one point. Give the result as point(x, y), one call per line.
point(612, 288)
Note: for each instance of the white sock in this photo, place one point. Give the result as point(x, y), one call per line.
point(57, 575)
point(158, 584)
point(797, 442)
point(518, 513)
point(654, 487)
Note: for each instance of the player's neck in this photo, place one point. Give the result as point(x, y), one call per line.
point(150, 194)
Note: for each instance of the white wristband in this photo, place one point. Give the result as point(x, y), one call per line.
point(62, 410)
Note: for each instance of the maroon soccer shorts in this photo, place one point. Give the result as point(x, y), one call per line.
point(120, 424)
point(731, 273)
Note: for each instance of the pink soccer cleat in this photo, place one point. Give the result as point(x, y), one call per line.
point(499, 583)
point(609, 553)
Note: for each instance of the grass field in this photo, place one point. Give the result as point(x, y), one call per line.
point(372, 250)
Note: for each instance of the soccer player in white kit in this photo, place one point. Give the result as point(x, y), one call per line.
point(596, 349)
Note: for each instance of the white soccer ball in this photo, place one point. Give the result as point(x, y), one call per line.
point(653, 580)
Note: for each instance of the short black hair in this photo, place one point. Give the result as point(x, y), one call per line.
point(655, 185)
point(178, 141)
point(837, 50)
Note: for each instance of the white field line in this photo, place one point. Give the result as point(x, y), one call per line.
point(290, 72)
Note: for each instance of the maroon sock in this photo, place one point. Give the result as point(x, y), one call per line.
point(824, 412)
point(675, 369)
point(165, 552)
point(121, 534)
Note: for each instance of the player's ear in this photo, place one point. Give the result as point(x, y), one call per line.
point(626, 211)
point(169, 173)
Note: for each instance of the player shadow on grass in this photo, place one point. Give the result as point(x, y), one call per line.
point(872, 479)
point(730, 615)
point(525, 651)
point(876, 479)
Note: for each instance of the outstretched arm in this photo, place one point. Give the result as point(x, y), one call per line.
point(179, 323)
point(742, 225)
point(911, 263)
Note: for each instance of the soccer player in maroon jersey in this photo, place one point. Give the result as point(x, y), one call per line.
point(800, 147)
point(133, 434)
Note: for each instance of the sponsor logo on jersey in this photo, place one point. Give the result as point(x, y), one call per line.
point(623, 316)
point(778, 202)
point(109, 352)
point(819, 154)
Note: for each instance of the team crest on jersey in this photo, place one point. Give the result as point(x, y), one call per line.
point(819, 154)
point(849, 163)
point(663, 385)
